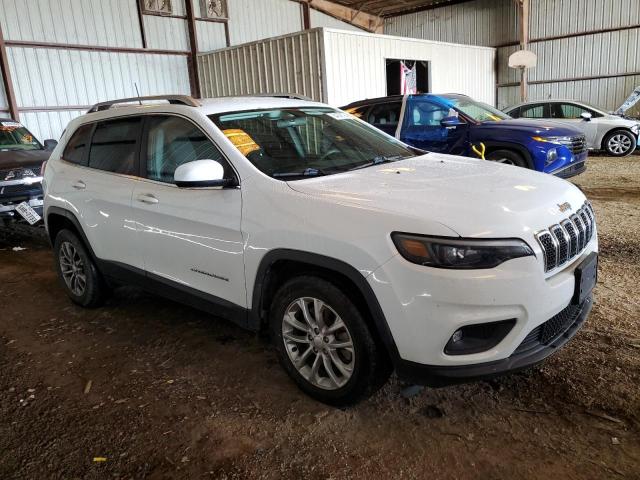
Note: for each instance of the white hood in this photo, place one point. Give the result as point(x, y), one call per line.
point(475, 198)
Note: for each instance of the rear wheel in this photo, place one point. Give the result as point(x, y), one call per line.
point(324, 344)
point(77, 272)
point(620, 143)
point(507, 157)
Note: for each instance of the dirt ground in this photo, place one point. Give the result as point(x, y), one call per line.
point(146, 388)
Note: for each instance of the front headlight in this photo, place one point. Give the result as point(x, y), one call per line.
point(461, 254)
point(558, 140)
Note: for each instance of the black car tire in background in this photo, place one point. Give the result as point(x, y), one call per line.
point(619, 143)
point(507, 157)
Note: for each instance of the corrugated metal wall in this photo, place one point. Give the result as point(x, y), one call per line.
point(356, 66)
point(565, 65)
point(290, 63)
point(252, 20)
point(479, 22)
point(4, 105)
point(338, 67)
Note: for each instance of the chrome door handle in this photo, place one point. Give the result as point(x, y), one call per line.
point(79, 185)
point(147, 198)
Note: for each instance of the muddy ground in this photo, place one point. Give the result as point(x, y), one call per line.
point(145, 388)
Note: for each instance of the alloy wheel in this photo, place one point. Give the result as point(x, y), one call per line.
point(619, 144)
point(318, 343)
point(72, 268)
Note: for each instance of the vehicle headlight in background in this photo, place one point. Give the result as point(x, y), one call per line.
point(559, 140)
point(552, 156)
point(636, 129)
point(459, 254)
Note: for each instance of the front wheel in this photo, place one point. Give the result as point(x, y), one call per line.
point(77, 272)
point(324, 344)
point(507, 157)
point(620, 143)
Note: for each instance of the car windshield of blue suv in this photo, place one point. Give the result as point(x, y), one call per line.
point(479, 111)
point(14, 136)
point(296, 143)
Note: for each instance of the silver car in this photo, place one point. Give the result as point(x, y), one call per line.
point(616, 135)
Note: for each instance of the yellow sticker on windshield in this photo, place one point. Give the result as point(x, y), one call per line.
point(241, 140)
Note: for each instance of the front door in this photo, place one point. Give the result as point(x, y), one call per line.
point(421, 127)
point(569, 113)
point(190, 237)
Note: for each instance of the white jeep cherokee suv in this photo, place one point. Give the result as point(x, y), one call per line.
point(358, 253)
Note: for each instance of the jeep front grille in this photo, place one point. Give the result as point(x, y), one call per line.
point(564, 241)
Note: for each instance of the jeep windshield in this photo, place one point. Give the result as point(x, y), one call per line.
point(479, 111)
point(296, 143)
point(14, 136)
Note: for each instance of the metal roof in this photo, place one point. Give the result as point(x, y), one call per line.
point(390, 8)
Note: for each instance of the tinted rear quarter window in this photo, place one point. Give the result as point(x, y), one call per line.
point(77, 145)
point(114, 146)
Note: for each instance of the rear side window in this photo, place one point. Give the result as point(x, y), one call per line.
point(385, 114)
point(174, 141)
point(114, 146)
point(533, 111)
point(77, 145)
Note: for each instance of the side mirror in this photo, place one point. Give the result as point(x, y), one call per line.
point(451, 122)
point(586, 116)
point(201, 173)
point(50, 145)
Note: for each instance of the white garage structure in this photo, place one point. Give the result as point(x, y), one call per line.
point(338, 67)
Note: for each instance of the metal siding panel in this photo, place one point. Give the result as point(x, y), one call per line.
point(283, 64)
point(111, 23)
point(166, 33)
point(479, 22)
point(210, 36)
point(250, 20)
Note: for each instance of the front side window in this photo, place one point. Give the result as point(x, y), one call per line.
point(13, 136)
point(479, 111)
point(77, 145)
point(114, 146)
point(427, 114)
point(174, 141)
point(293, 143)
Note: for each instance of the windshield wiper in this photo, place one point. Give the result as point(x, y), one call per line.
point(307, 172)
point(377, 161)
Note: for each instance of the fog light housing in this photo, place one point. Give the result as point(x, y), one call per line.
point(552, 156)
point(478, 338)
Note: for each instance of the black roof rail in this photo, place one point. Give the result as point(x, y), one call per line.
point(294, 96)
point(172, 99)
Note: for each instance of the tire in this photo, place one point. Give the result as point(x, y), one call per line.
point(619, 143)
point(77, 272)
point(364, 366)
point(508, 157)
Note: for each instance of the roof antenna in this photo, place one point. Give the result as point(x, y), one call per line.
point(137, 92)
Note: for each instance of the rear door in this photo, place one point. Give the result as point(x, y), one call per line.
point(189, 237)
point(97, 177)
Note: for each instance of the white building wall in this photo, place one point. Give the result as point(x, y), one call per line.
point(251, 20)
point(356, 67)
point(4, 105)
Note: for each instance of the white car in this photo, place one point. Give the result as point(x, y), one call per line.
point(358, 253)
point(616, 135)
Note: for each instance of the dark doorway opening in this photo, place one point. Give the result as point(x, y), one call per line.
point(393, 75)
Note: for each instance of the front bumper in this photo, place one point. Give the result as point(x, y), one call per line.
point(571, 170)
point(424, 307)
point(530, 352)
point(13, 193)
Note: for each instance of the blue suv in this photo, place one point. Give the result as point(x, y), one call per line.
point(458, 125)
